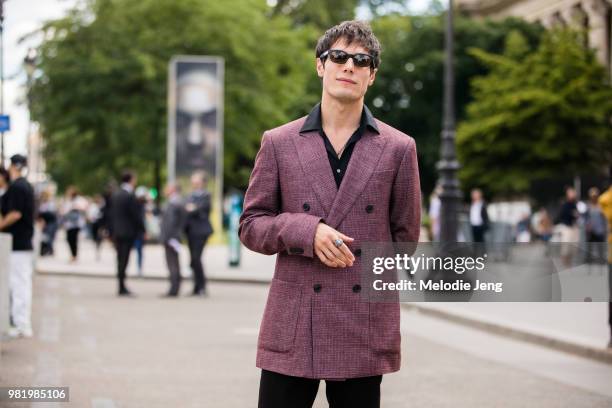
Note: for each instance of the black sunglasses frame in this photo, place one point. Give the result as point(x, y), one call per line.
point(372, 64)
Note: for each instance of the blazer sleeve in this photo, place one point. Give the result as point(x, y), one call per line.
point(263, 227)
point(405, 211)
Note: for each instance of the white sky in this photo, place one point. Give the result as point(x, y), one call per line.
point(22, 17)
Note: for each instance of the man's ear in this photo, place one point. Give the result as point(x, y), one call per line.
point(372, 76)
point(320, 67)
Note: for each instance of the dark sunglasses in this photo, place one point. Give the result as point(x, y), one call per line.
point(340, 57)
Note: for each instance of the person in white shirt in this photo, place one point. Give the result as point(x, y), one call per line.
point(479, 218)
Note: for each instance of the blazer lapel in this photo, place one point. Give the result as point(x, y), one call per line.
point(315, 164)
point(363, 161)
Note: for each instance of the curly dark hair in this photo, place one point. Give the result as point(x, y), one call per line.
point(351, 31)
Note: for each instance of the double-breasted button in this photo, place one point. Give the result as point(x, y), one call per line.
point(357, 288)
point(317, 287)
point(369, 208)
point(296, 250)
point(306, 207)
point(358, 252)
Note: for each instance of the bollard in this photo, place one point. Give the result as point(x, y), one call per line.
point(6, 242)
point(234, 240)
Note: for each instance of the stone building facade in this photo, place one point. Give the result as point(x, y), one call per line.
point(593, 15)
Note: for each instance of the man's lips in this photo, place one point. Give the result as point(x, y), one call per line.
point(347, 80)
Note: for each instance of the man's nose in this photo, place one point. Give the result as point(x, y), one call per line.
point(349, 65)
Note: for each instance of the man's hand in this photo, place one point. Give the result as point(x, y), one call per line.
point(326, 250)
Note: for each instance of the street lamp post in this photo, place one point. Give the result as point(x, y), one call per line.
point(448, 164)
point(2, 78)
point(29, 62)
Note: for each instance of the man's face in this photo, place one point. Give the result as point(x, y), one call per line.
point(169, 190)
point(346, 83)
point(196, 182)
point(14, 171)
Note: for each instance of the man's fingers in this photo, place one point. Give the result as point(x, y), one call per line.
point(345, 237)
point(344, 254)
point(323, 258)
point(340, 258)
point(347, 253)
point(330, 257)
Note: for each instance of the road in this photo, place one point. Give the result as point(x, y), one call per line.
point(200, 352)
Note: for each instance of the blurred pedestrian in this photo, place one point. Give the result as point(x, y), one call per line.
point(523, 229)
point(479, 216)
point(73, 220)
point(596, 227)
point(5, 180)
point(566, 225)
point(198, 229)
point(127, 225)
point(435, 205)
point(47, 215)
point(107, 195)
point(172, 225)
point(605, 202)
point(142, 194)
point(17, 218)
point(95, 222)
point(544, 225)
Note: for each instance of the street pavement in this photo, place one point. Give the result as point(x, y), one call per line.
point(199, 352)
point(581, 325)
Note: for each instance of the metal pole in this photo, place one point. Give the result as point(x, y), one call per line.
point(2, 78)
point(448, 164)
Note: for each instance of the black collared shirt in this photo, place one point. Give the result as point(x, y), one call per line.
point(339, 164)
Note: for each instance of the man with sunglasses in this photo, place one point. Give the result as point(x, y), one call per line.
point(321, 187)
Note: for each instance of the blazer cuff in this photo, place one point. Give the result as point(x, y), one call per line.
point(300, 239)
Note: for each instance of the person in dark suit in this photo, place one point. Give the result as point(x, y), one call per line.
point(198, 229)
point(172, 224)
point(127, 225)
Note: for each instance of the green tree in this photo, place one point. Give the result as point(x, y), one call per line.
point(322, 14)
point(536, 115)
point(100, 96)
point(408, 90)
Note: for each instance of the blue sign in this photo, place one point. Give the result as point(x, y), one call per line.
point(5, 123)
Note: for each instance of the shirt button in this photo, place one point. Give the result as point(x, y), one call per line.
point(357, 288)
point(337, 170)
point(317, 287)
point(306, 207)
point(358, 252)
point(369, 208)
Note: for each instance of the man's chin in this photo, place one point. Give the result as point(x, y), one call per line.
point(346, 97)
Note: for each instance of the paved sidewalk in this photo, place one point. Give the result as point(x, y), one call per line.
point(254, 267)
point(579, 328)
point(149, 352)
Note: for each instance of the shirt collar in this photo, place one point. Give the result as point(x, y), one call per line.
point(127, 187)
point(313, 120)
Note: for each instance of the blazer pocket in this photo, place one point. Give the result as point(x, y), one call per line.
point(279, 323)
point(385, 337)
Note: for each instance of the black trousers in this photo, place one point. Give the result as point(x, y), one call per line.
point(284, 391)
point(478, 233)
point(174, 268)
point(123, 247)
point(72, 236)
point(196, 247)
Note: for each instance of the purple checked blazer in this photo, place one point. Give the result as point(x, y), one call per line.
point(315, 323)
